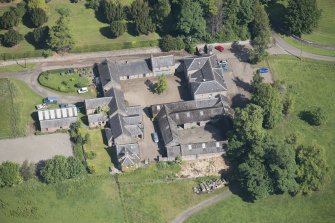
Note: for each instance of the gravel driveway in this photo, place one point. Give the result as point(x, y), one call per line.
point(35, 148)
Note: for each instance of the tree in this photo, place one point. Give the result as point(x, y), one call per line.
point(55, 170)
point(9, 174)
point(168, 43)
point(40, 35)
point(20, 9)
point(312, 168)
point(270, 100)
point(287, 104)
point(38, 17)
point(93, 4)
point(140, 12)
point(162, 84)
point(75, 167)
point(257, 80)
point(113, 10)
point(9, 19)
point(247, 131)
point(34, 4)
point(118, 28)
point(246, 12)
point(12, 38)
point(314, 116)
point(60, 37)
point(302, 16)
point(28, 170)
point(190, 20)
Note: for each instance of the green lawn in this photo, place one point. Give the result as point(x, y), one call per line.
point(17, 102)
point(102, 161)
point(312, 83)
point(17, 68)
point(89, 33)
point(62, 81)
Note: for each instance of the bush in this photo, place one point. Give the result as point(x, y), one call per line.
point(93, 4)
point(55, 170)
point(256, 55)
point(20, 9)
point(40, 35)
point(287, 104)
point(75, 167)
point(91, 169)
point(12, 38)
point(9, 19)
point(168, 43)
point(90, 155)
point(28, 170)
point(315, 116)
point(47, 53)
point(117, 28)
point(9, 174)
point(38, 17)
point(190, 48)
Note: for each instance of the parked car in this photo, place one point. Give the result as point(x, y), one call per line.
point(50, 100)
point(154, 137)
point(41, 106)
point(263, 70)
point(219, 48)
point(82, 90)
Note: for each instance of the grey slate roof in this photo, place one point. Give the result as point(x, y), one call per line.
point(203, 148)
point(96, 102)
point(56, 123)
point(94, 118)
point(205, 75)
point(162, 61)
point(128, 154)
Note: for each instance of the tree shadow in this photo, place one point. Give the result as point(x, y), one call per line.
point(240, 51)
point(99, 15)
point(276, 12)
point(105, 31)
point(131, 28)
point(240, 101)
point(242, 84)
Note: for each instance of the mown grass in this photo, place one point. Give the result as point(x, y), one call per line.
point(102, 161)
point(17, 68)
point(17, 102)
point(89, 33)
point(58, 80)
point(312, 83)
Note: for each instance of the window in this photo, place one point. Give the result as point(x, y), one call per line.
point(204, 145)
point(217, 144)
point(177, 116)
point(201, 113)
point(189, 147)
point(158, 107)
point(188, 114)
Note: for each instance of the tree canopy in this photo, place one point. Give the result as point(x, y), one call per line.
point(161, 85)
point(140, 13)
point(12, 38)
point(38, 17)
point(9, 19)
point(113, 10)
point(60, 37)
point(9, 174)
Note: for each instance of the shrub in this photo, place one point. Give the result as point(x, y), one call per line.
point(38, 17)
point(90, 155)
point(287, 104)
point(28, 170)
point(168, 43)
point(20, 9)
point(9, 19)
point(12, 38)
point(93, 4)
point(40, 35)
point(256, 55)
point(190, 48)
point(91, 169)
point(315, 116)
point(117, 28)
point(47, 53)
point(9, 174)
point(75, 167)
point(162, 84)
point(55, 170)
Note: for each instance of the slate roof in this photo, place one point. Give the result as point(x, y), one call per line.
point(204, 74)
point(172, 114)
point(94, 118)
point(96, 102)
point(162, 61)
point(203, 148)
point(56, 123)
point(128, 155)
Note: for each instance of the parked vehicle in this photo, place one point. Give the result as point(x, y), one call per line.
point(41, 106)
point(263, 70)
point(66, 105)
point(154, 137)
point(50, 100)
point(82, 90)
point(219, 48)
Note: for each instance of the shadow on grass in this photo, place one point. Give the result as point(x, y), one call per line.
point(105, 31)
point(131, 28)
point(276, 13)
point(99, 15)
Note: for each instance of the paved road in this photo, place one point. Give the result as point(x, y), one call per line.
point(297, 52)
point(204, 204)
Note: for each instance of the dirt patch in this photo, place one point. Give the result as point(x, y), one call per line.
point(202, 167)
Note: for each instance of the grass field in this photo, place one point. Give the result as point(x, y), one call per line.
point(17, 103)
point(89, 33)
point(312, 83)
point(17, 68)
point(98, 199)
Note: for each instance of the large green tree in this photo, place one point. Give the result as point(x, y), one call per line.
point(60, 37)
point(28, 170)
point(118, 28)
point(12, 38)
point(312, 167)
point(168, 43)
point(190, 20)
point(33, 4)
point(9, 19)
point(302, 16)
point(161, 85)
point(140, 12)
point(270, 100)
point(55, 170)
point(38, 17)
point(9, 174)
point(75, 167)
point(113, 10)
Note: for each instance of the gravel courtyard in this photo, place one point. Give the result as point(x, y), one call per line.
point(35, 148)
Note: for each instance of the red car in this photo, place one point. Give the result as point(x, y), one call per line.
point(219, 48)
